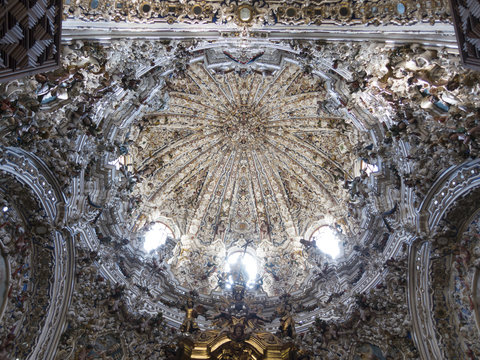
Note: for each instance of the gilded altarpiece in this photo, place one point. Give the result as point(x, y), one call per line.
point(216, 346)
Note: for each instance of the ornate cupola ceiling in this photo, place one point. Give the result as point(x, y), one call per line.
point(245, 158)
point(248, 152)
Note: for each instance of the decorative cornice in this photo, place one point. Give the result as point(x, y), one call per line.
point(439, 35)
point(260, 13)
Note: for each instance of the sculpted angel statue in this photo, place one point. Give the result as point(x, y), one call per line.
point(287, 323)
point(189, 324)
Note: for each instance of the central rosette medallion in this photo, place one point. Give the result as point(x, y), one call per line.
point(244, 126)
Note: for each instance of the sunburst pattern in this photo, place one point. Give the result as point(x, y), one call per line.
point(244, 159)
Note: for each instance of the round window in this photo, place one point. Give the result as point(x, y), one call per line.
point(156, 236)
point(326, 241)
point(241, 267)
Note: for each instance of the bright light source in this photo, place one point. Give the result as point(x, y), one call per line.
point(249, 264)
point(118, 162)
point(156, 236)
point(369, 168)
point(5, 209)
point(326, 241)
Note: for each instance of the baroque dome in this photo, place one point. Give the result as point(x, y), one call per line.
point(247, 151)
point(244, 158)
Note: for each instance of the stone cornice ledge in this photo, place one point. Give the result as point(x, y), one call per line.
point(438, 35)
